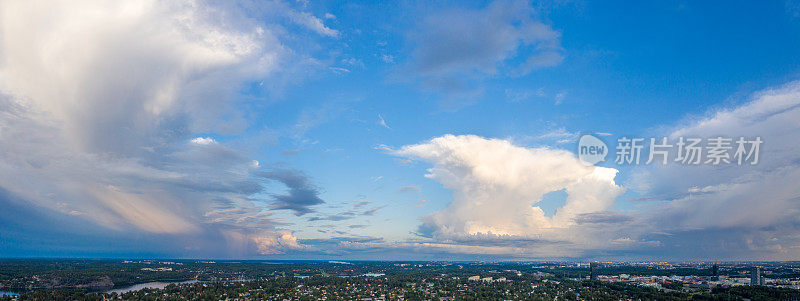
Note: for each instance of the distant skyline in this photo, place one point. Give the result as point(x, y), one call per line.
point(283, 130)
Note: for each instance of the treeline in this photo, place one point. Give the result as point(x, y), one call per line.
point(349, 288)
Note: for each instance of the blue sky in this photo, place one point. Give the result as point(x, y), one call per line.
point(271, 129)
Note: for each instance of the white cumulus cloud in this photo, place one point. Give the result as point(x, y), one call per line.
point(496, 187)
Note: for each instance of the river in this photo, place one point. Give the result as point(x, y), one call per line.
point(161, 285)
point(136, 287)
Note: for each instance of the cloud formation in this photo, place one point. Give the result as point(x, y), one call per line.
point(454, 48)
point(754, 208)
point(747, 212)
point(302, 195)
point(99, 104)
point(496, 186)
point(358, 209)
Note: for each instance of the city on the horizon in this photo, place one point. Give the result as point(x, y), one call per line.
point(35, 279)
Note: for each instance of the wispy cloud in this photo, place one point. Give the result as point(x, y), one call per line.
point(339, 70)
point(382, 122)
point(361, 203)
point(373, 210)
point(560, 136)
point(356, 211)
point(405, 189)
point(308, 20)
point(382, 147)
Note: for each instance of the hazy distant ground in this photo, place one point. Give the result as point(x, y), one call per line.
point(68, 279)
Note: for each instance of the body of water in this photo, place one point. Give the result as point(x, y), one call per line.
point(160, 285)
point(136, 287)
point(5, 293)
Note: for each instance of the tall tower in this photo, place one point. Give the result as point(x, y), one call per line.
point(755, 277)
point(593, 270)
point(715, 273)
